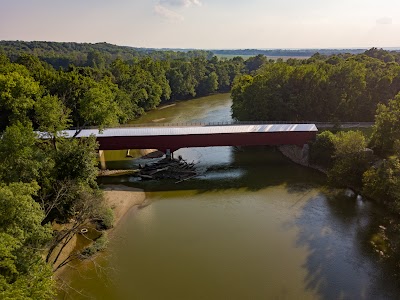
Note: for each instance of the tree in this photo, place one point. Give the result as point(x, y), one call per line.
point(254, 63)
point(76, 159)
point(387, 127)
point(23, 273)
point(181, 79)
point(20, 159)
point(96, 60)
point(98, 107)
point(350, 161)
point(17, 94)
point(322, 149)
point(158, 70)
point(51, 115)
point(382, 182)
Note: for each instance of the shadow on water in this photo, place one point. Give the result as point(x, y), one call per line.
point(251, 168)
point(341, 264)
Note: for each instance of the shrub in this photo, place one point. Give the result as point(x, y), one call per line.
point(322, 149)
point(98, 245)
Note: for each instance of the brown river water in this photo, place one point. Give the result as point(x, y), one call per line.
point(253, 226)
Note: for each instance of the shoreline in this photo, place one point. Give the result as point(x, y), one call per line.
point(121, 198)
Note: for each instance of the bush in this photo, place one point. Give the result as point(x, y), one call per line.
point(106, 219)
point(382, 183)
point(322, 149)
point(98, 245)
point(350, 159)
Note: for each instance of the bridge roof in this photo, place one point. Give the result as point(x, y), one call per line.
point(192, 130)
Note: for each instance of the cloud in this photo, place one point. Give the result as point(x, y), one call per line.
point(162, 8)
point(167, 13)
point(384, 21)
point(180, 3)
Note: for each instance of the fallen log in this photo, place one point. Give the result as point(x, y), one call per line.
point(187, 178)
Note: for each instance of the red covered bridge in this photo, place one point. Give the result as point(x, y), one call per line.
point(171, 138)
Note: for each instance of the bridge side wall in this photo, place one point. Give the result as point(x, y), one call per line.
point(176, 142)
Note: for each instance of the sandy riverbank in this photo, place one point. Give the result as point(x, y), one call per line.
point(121, 198)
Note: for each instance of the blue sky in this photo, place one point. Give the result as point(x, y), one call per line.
point(207, 24)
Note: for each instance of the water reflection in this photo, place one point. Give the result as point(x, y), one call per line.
point(253, 168)
point(341, 263)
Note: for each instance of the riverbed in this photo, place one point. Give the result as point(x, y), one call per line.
point(253, 226)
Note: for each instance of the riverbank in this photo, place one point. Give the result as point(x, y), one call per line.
point(121, 199)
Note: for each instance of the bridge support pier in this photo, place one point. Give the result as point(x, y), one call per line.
point(102, 159)
point(169, 154)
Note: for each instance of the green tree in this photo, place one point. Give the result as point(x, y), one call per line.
point(387, 127)
point(20, 158)
point(382, 182)
point(76, 159)
point(51, 115)
point(350, 161)
point(23, 273)
point(254, 63)
point(96, 60)
point(17, 94)
point(182, 80)
point(98, 107)
point(322, 149)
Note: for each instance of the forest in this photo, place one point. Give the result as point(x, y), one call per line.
point(50, 87)
point(335, 88)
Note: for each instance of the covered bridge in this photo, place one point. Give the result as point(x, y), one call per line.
point(170, 138)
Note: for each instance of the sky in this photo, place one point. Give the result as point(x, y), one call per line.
point(206, 24)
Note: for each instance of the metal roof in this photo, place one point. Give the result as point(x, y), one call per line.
point(191, 130)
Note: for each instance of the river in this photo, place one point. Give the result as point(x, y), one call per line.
point(254, 226)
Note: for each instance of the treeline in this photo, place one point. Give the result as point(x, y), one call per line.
point(322, 88)
point(63, 54)
point(105, 95)
point(287, 52)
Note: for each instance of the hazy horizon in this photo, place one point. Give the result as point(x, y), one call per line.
point(205, 24)
point(211, 49)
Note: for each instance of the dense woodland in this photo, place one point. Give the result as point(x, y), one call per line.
point(322, 88)
point(55, 86)
point(105, 93)
point(83, 54)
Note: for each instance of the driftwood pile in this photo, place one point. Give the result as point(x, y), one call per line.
point(177, 169)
